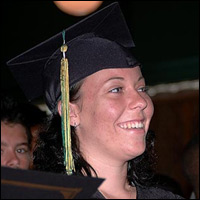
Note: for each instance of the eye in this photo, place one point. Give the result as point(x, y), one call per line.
point(22, 150)
point(116, 90)
point(143, 89)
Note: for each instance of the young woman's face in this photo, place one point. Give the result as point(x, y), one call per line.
point(15, 152)
point(115, 112)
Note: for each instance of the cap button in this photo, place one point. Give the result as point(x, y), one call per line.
point(63, 48)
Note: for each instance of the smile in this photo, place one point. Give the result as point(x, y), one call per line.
point(131, 125)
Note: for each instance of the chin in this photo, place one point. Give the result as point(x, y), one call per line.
point(137, 151)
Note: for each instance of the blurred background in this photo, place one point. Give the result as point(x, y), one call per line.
point(166, 34)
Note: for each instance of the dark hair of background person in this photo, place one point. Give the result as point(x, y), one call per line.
point(48, 155)
point(12, 113)
point(34, 116)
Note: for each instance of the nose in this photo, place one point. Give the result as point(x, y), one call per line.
point(12, 160)
point(137, 100)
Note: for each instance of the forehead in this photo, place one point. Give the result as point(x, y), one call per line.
point(107, 74)
point(13, 131)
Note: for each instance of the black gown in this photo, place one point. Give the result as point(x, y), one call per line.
point(147, 193)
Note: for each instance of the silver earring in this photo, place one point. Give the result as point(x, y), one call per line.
point(75, 125)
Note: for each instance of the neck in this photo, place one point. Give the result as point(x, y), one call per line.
point(115, 175)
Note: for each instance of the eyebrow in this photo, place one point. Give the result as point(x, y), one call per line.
point(121, 78)
point(114, 78)
point(20, 144)
point(141, 77)
point(4, 144)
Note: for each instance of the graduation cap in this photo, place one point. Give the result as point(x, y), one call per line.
point(100, 41)
point(92, 46)
point(31, 184)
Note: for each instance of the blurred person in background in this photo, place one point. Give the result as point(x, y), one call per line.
point(35, 119)
point(20, 125)
point(15, 135)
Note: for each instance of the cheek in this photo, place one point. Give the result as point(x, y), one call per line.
point(99, 120)
point(107, 113)
point(25, 161)
point(2, 159)
point(150, 109)
point(149, 113)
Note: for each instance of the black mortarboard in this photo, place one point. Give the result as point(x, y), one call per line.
point(32, 184)
point(98, 42)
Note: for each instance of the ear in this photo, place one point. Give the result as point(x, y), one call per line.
point(73, 113)
point(59, 107)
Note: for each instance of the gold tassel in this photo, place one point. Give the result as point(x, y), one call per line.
point(66, 131)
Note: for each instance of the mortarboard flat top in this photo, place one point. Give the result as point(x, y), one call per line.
point(99, 41)
point(30, 184)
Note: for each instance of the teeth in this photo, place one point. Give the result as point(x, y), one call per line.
point(130, 125)
point(133, 125)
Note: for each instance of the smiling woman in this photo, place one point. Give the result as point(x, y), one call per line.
point(116, 106)
point(94, 86)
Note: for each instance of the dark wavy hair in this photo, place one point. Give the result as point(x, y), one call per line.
point(49, 155)
point(12, 112)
